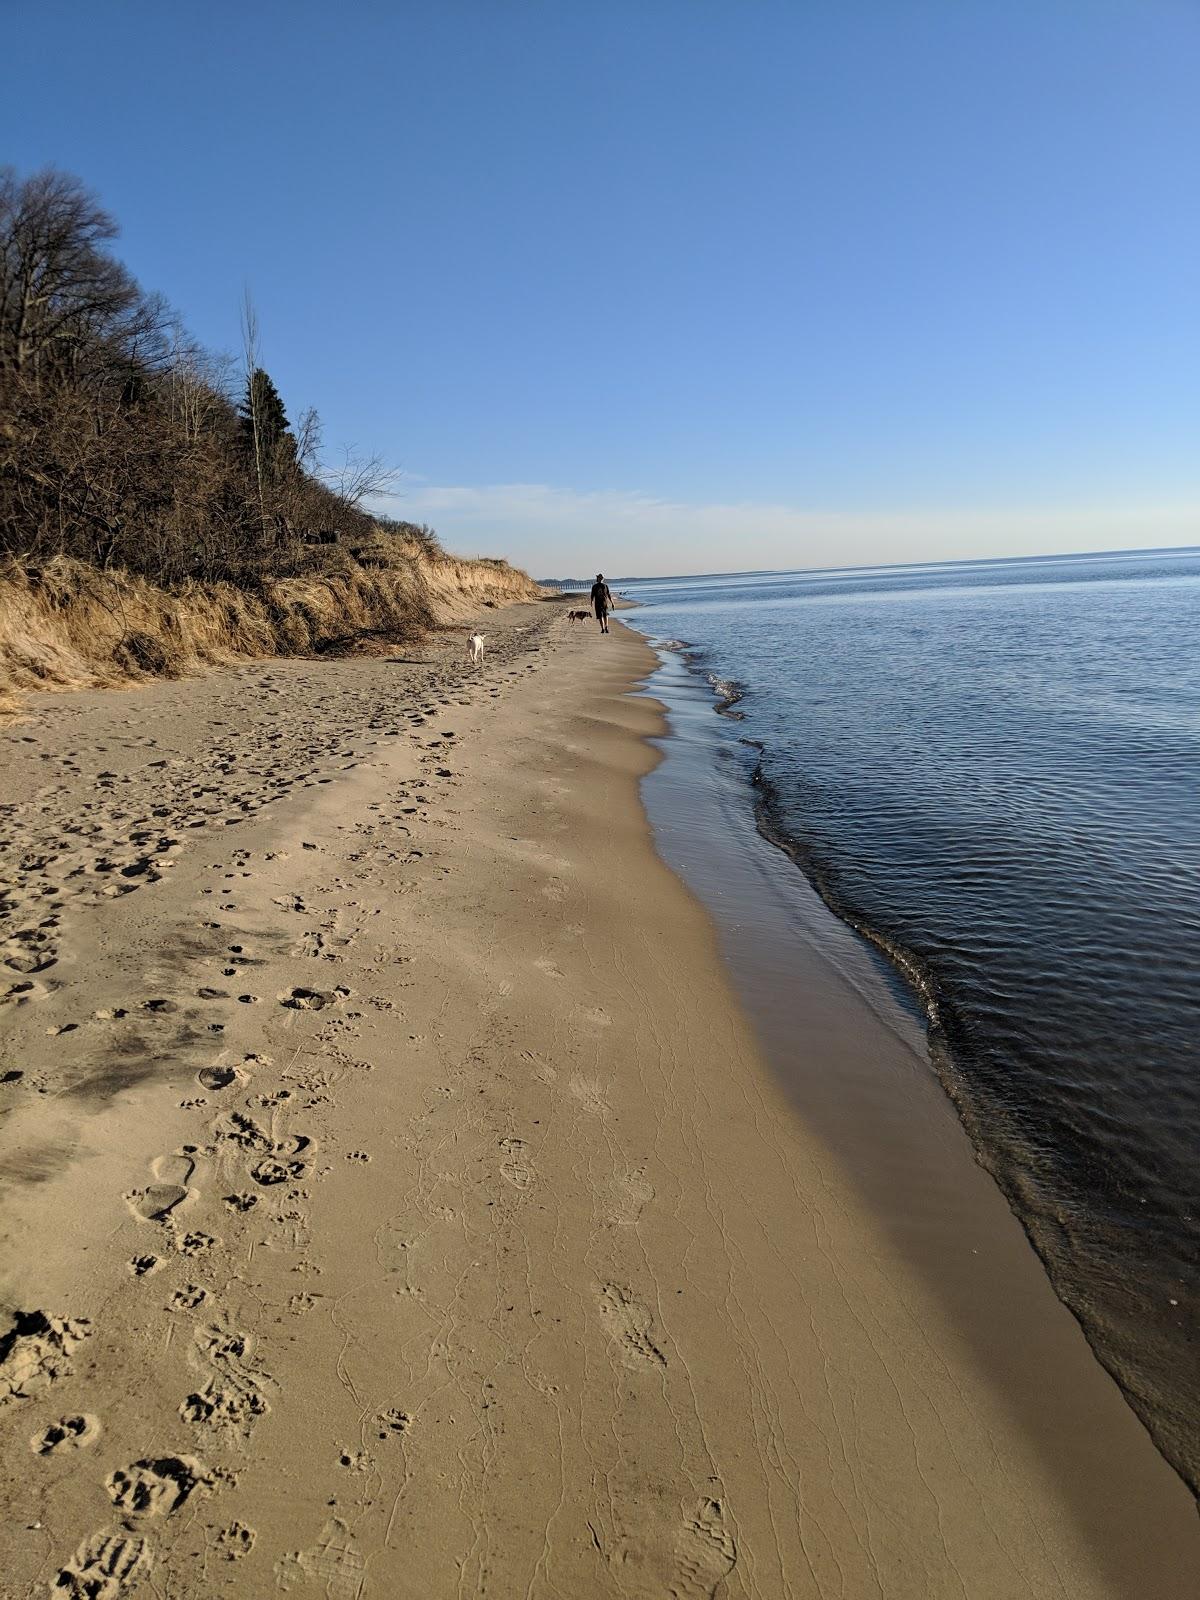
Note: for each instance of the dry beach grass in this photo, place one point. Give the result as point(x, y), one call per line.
point(68, 625)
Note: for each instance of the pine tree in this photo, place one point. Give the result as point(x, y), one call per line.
point(267, 438)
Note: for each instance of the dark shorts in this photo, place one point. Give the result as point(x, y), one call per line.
point(601, 609)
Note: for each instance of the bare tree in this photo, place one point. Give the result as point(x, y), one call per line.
point(198, 385)
point(251, 363)
point(66, 303)
point(308, 438)
point(360, 478)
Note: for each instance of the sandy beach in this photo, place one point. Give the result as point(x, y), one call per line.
point(401, 1198)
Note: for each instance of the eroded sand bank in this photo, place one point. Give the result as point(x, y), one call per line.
point(397, 1202)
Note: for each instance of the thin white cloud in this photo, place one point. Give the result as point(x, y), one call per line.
point(552, 530)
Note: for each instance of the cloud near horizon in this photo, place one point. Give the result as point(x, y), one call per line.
point(564, 532)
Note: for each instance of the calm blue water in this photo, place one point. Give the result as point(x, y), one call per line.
point(993, 769)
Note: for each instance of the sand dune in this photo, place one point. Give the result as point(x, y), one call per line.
point(395, 1201)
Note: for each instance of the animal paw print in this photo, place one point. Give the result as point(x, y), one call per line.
point(393, 1423)
point(236, 1541)
point(195, 1243)
point(271, 1171)
point(189, 1297)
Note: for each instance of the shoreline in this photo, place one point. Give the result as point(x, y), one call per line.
point(518, 1271)
point(887, 1121)
point(980, 1120)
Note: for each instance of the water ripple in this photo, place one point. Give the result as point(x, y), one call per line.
point(994, 770)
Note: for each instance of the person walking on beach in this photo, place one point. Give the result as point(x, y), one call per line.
point(602, 601)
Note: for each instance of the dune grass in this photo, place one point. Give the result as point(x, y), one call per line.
point(66, 624)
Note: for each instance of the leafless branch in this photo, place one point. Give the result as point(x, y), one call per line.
point(360, 478)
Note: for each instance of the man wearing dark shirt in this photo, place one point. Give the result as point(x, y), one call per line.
point(602, 601)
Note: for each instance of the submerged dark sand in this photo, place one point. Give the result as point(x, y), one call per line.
point(399, 1202)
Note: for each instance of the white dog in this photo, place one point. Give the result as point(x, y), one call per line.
point(475, 646)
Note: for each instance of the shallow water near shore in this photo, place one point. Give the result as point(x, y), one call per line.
point(988, 769)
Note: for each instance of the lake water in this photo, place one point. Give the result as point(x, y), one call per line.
point(992, 770)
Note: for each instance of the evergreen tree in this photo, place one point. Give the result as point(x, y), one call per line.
point(267, 439)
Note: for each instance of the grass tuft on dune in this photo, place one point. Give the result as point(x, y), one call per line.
point(65, 624)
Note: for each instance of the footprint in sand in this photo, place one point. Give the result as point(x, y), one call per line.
point(302, 999)
point(155, 1203)
point(169, 1189)
point(157, 1486)
point(705, 1552)
point(217, 1077)
point(631, 1327)
point(632, 1193)
point(590, 1093)
point(233, 1396)
point(240, 1130)
point(542, 1070)
point(177, 1168)
point(335, 1562)
point(516, 1170)
point(104, 1567)
point(18, 993)
point(68, 1433)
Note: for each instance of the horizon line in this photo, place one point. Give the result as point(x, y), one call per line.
point(896, 566)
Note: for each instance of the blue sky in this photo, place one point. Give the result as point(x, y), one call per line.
point(678, 285)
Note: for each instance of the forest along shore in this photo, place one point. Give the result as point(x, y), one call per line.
point(396, 1202)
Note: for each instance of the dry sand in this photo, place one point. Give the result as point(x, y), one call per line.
point(397, 1202)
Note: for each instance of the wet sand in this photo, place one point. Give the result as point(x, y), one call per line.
point(398, 1200)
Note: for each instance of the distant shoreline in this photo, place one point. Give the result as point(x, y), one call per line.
point(954, 561)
